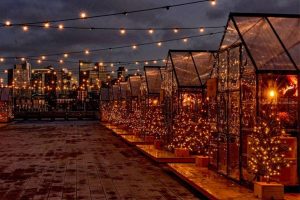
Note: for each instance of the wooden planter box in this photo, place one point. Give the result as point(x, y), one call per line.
point(182, 152)
point(202, 161)
point(268, 191)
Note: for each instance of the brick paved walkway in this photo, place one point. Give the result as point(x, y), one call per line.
point(77, 160)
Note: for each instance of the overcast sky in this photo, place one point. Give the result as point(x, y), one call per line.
point(15, 42)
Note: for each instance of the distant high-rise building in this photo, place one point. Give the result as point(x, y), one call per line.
point(19, 79)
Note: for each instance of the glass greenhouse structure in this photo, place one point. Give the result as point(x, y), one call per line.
point(258, 71)
point(184, 83)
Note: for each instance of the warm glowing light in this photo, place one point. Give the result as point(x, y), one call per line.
point(23, 59)
point(159, 44)
point(213, 2)
point(154, 61)
point(151, 31)
point(83, 15)
point(61, 61)
point(185, 40)
point(46, 25)
point(201, 29)
point(101, 63)
point(112, 64)
point(146, 63)
point(87, 52)
point(122, 31)
point(175, 30)
point(43, 57)
point(66, 55)
point(61, 26)
point(134, 47)
point(1, 59)
point(272, 93)
point(136, 63)
point(25, 28)
point(7, 23)
point(39, 61)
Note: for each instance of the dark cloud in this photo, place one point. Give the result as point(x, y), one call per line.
point(16, 43)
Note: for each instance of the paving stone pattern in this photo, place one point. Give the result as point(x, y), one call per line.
point(77, 160)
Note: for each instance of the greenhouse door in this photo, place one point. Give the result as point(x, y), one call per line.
point(228, 101)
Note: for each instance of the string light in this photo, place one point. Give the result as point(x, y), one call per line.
point(39, 61)
point(201, 30)
point(61, 61)
point(136, 63)
point(122, 31)
point(175, 30)
point(61, 26)
point(134, 47)
point(1, 59)
point(7, 23)
point(83, 15)
point(43, 57)
point(46, 25)
point(87, 52)
point(25, 28)
point(167, 7)
point(22, 59)
point(213, 2)
point(140, 44)
point(151, 31)
point(185, 40)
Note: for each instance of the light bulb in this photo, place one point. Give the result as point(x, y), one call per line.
point(201, 29)
point(134, 47)
point(185, 40)
point(61, 26)
point(25, 28)
point(87, 52)
point(159, 44)
point(175, 30)
point(66, 55)
point(46, 25)
point(83, 15)
point(213, 2)
point(122, 31)
point(151, 31)
point(7, 23)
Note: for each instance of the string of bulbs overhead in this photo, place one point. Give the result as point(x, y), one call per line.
point(66, 55)
point(84, 16)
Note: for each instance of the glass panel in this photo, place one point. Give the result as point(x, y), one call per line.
point(222, 64)
point(135, 84)
point(288, 31)
point(279, 94)
point(153, 78)
point(263, 44)
point(185, 69)
point(231, 36)
point(104, 94)
point(233, 160)
point(204, 62)
point(222, 153)
point(124, 89)
point(234, 69)
point(116, 92)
